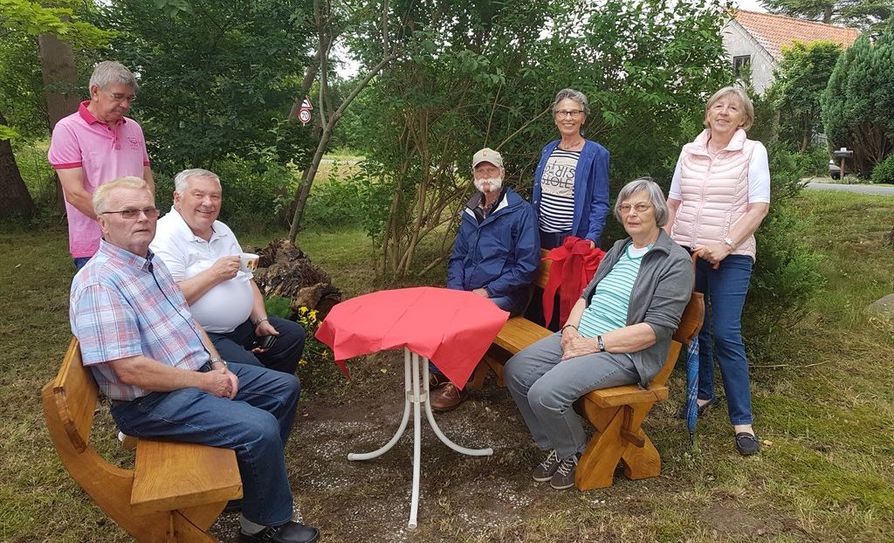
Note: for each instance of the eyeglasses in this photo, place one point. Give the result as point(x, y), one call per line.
point(131, 214)
point(120, 97)
point(573, 113)
point(639, 208)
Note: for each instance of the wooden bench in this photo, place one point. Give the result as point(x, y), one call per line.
point(175, 491)
point(616, 413)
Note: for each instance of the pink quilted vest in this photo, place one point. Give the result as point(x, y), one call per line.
point(714, 192)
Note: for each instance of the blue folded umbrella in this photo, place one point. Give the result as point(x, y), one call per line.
point(692, 388)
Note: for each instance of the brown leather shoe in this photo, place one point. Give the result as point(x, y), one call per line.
point(446, 397)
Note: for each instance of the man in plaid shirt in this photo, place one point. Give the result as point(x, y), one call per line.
point(163, 375)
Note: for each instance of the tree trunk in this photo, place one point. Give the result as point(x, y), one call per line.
point(60, 79)
point(15, 200)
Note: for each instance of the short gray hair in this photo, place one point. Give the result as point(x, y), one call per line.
point(101, 194)
point(109, 72)
point(571, 94)
point(656, 198)
point(742, 96)
point(182, 178)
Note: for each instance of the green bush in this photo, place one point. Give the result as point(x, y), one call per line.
point(256, 195)
point(337, 203)
point(786, 273)
point(884, 171)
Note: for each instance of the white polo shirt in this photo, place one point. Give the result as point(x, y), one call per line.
point(226, 305)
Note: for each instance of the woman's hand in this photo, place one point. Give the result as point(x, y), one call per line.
point(568, 333)
point(714, 253)
point(578, 346)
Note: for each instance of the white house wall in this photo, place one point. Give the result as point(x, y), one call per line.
point(738, 42)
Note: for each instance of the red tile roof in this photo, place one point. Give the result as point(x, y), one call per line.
point(774, 32)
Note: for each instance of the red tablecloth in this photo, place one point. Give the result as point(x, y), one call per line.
point(452, 328)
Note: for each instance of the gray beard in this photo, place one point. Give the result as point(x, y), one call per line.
point(496, 183)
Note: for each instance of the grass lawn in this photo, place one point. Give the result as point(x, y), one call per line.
point(824, 402)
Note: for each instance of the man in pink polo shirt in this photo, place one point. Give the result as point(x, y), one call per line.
point(93, 146)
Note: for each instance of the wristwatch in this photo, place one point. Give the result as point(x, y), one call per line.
point(218, 360)
point(729, 243)
point(600, 344)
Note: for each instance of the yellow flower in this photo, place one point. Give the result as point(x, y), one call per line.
point(302, 362)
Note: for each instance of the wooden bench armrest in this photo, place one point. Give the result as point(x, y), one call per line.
point(625, 395)
point(170, 475)
point(518, 333)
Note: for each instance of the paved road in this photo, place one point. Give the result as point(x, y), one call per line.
point(883, 190)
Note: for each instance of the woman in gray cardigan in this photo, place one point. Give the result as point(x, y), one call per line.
point(618, 333)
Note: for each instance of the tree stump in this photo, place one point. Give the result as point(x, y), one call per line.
point(285, 270)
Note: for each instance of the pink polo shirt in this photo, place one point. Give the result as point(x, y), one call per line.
point(105, 153)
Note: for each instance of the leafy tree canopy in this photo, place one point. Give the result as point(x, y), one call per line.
point(799, 81)
point(859, 13)
point(858, 103)
point(216, 77)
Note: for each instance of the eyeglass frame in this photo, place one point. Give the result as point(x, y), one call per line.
point(639, 207)
point(572, 113)
point(151, 213)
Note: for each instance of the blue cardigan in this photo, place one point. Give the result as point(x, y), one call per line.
point(590, 189)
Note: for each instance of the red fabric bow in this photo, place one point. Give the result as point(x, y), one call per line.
point(573, 266)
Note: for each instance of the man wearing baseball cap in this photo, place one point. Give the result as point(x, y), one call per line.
point(496, 254)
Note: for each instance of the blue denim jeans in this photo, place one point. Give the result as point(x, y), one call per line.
point(725, 289)
point(255, 424)
point(282, 356)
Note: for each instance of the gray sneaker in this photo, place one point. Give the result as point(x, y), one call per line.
point(545, 470)
point(564, 476)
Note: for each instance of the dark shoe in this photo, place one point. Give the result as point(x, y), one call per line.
point(290, 532)
point(435, 380)
point(702, 409)
point(747, 444)
point(564, 476)
point(446, 397)
point(546, 469)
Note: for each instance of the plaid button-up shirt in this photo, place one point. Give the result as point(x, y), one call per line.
point(124, 305)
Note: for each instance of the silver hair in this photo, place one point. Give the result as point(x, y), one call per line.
point(743, 98)
point(571, 94)
point(109, 72)
point(102, 192)
point(656, 198)
point(181, 179)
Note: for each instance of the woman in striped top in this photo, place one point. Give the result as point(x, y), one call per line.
point(618, 333)
point(571, 180)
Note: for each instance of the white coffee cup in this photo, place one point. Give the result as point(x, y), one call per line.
point(248, 262)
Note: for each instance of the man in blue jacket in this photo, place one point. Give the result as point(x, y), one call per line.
point(496, 254)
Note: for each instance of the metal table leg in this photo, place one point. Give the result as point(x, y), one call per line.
point(416, 393)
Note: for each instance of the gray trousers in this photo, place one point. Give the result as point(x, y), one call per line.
point(544, 388)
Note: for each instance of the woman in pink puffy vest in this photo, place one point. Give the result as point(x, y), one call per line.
point(719, 195)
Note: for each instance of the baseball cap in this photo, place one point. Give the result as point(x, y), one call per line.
point(487, 155)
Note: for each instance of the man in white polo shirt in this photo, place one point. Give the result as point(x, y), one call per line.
point(202, 254)
point(93, 146)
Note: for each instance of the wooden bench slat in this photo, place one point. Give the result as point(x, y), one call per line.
point(626, 395)
point(170, 475)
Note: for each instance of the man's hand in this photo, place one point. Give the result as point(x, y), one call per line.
point(481, 292)
point(225, 268)
point(221, 382)
point(264, 328)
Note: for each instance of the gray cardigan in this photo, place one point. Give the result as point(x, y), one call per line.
point(660, 293)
